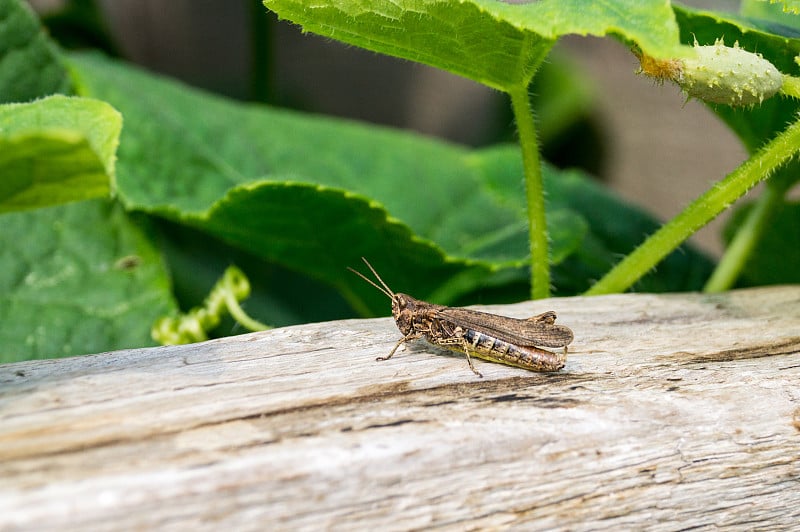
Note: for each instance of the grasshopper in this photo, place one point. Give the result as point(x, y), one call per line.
point(510, 341)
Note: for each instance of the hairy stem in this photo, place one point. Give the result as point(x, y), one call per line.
point(700, 212)
point(534, 192)
point(742, 245)
point(791, 86)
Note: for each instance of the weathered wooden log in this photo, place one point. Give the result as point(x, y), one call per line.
point(673, 411)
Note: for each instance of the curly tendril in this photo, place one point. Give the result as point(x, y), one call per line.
point(193, 326)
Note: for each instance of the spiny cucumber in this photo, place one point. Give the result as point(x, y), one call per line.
point(719, 74)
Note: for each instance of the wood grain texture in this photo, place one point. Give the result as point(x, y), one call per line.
point(673, 411)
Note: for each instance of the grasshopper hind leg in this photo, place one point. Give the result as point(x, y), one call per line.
point(456, 343)
point(465, 344)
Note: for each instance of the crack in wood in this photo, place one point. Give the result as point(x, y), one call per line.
point(786, 347)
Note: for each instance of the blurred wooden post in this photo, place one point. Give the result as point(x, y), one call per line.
point(678, 410)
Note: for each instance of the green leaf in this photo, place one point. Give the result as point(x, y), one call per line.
point(781, 10)
point(314, 194)
point(776, 255)
point(498, 44)
point(56, 150)
point(30, 65)
point(74, 279)
point(771, 10)
point(495, 43)
point(311, 194)
point(77, 279)
point(277, 183)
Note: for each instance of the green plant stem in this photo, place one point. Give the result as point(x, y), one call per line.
point(262, 43)
point(742, 245)
point(241, 316)
point(700, 212)
point(791, 86)
point(534, 192)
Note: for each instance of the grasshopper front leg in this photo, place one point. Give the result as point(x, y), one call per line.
point(410, 336)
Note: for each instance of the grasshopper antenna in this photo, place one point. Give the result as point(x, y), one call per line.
point(383, 288)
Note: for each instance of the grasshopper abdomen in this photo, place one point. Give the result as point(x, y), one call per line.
point(486, 347)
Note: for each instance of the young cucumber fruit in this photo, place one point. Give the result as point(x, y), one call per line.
point(719, 74)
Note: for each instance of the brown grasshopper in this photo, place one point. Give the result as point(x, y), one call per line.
point(487, 336)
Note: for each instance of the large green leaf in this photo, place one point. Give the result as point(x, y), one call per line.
point(75, 279)
point(79, 278)
point(30, 66)
point(214, 164)
point(315, 194)
point(495, 43)
point(56, 150)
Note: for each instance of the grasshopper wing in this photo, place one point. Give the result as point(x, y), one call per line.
point(539, 330)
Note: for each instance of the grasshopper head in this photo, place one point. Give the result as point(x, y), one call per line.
point(404, 308)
